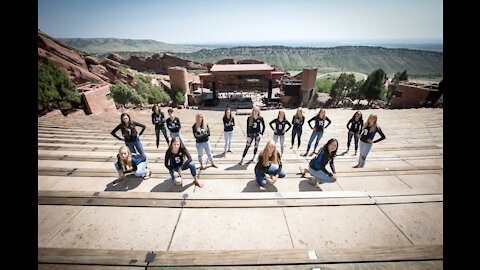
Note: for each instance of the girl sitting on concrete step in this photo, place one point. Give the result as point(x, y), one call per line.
point(201, 132)
point(316, 166)
point(177, 159)
point(130, 135)
point(354, 130)
point(228, 124)
point(279, 130)
point(265, 171)
point(297, 122)
point(254, 131)
point(369, 130)
point(128, 162)
point(318, 129)
point(158, 120)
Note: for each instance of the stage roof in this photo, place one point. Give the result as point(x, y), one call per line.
point(241, 67)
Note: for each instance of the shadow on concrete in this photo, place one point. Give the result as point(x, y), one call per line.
point(218, 155)
point(169, 186)
point(130, 182)
point(252, 187)
point(306, 186)
point(239, 167)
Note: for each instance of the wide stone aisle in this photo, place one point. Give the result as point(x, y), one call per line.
point(387, 215)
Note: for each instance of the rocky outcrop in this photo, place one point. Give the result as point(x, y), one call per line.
point(249, 61)
point(161, 62)
point(116, 57)
point(225, 61)
point(79, 68)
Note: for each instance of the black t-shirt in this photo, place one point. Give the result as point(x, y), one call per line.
point(280, 126)
point(136, 159)
point(320, 161)
point(319, 123)
point(158, 119)
point(355, 126)
point(173, 125)
point(176, 160)
point(260, 166)
point(366, 134)
point(202, 134)
point(255, 129)
point(228, 124)
point(298, 122)
point(128, 131)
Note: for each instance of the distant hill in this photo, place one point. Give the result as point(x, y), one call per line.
point(103, 46)
point(362, 59)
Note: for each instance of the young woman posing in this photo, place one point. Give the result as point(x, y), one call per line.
point(177, 159)
point(130, 135)
point(316, 167)
point(158, 120)
point(228, 124)
point(265, 171)
point(174, 125)
point(201, 132)
point(370, 128)
point(254, 131)
point(279, 130)
point(297, 122)
point(354, 130)
point(318, 129)
point(128, 162)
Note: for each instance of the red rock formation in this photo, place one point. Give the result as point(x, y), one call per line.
point(161, 62)
point(79, 68)
point(225, 61)
point(116, 57)
point(249, 61)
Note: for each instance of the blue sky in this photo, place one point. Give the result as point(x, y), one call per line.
point(213, 21)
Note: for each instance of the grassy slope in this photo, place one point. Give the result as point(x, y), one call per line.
point(361, 59)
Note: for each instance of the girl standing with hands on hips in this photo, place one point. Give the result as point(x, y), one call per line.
point(177, 159)
point(174, 125)
point(228, 124)
point(158, 119)
point(354, 130)
point(318, 129)
point(130, 135)
point(279, 130)
point(369, 130)
point(201, 132)
point(297, 122)
point(254, 131)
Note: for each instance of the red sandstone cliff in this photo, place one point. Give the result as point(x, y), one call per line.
point(79, 68)
point(161, 62)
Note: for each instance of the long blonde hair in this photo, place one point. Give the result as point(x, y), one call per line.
point(126, 164)
point(275, 156)
point(324, 114)
point(198, 124)
point(250, 121)
point(296, 116)
point(279, 112)
point(374, 126)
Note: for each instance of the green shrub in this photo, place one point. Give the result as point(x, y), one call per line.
point(55, 87)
